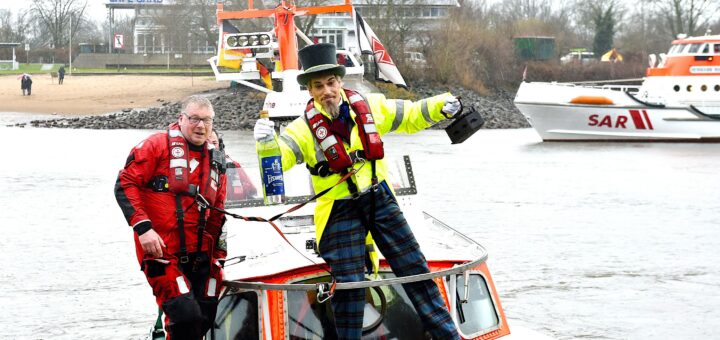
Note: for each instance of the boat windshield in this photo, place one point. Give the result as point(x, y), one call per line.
point(244, 188)
point(388, 313)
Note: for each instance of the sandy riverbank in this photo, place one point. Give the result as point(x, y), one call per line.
point(99, 93)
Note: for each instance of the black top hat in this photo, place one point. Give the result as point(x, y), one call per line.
point(316, 59)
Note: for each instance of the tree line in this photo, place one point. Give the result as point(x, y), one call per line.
point(476, 35)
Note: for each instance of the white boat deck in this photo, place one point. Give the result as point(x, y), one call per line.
point(267, 253)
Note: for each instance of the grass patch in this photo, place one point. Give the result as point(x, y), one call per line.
point(392, 91)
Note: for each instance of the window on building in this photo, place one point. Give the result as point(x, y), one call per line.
point(333, 37)
point(139, 43)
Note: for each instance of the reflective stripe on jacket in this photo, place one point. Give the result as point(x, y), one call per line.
point(298, 145)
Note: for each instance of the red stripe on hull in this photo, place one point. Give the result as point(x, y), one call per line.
point(647, 119)
point(637, 119)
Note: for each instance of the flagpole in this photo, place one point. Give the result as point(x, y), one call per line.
point(70, 47)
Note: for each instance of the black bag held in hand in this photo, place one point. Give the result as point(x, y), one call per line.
point(464, 125)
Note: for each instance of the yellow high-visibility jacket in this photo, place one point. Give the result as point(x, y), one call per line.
point(298, 145)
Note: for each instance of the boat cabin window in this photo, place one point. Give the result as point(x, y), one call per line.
point(389, 314)
point(237, 318)
point(680, 48)
point(716, 48)
point(694, 48)
point(478, 315)
point(705, 49)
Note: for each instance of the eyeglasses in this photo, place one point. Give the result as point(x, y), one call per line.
point(195, 120)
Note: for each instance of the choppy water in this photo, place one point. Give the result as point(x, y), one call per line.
point(597, 241)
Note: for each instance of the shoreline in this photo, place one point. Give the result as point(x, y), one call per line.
point(100, 94)
point(158, 104)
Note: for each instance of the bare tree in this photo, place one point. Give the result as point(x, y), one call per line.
point(525, 9)
point(691, 17)
point(57, 16)
point(13, 30)
point(205, 20)
point(397, 24)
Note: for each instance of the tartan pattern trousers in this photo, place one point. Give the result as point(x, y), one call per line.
point(343, 247)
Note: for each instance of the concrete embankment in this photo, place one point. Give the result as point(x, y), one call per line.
point(239, 112)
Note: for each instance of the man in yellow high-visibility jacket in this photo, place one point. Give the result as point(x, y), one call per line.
point(341, 124)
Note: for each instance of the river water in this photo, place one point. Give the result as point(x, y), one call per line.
point(586, 240)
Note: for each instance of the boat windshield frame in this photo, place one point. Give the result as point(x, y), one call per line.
point(409, 189)
point(236, 286)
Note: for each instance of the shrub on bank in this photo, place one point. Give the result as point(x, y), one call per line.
point(596, 71)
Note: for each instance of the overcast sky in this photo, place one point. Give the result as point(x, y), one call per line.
point(95, 9)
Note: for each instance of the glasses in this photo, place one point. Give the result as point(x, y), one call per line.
point(195, 120)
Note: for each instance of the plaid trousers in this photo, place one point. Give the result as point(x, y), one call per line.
point(343, 248)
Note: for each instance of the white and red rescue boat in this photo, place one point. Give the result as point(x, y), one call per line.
point(679, 100)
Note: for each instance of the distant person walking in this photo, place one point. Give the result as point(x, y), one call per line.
point(26, 84)
point(61, 74)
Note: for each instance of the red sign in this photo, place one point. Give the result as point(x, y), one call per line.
point(119, 41)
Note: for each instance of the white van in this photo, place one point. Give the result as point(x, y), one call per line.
point(415, 59)
point(578, 57)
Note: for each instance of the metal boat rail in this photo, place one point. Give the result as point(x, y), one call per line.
point(461, 268)
point(591, 84)
point(234, 286)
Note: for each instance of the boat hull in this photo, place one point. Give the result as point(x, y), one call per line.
point(560, 112)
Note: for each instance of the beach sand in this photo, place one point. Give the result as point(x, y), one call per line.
point(97, 94)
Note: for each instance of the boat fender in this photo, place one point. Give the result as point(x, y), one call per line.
point(591, 100)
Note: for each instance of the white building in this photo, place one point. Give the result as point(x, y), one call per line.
point(339, 28)
point(149, 35)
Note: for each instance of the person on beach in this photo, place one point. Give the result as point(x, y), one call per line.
point(179, 244)
point(26, 84)
point(61, 75)
point(339, 134)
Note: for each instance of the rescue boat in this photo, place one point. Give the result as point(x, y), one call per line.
point(678, 100)
point(268, 54)
point(276, 285)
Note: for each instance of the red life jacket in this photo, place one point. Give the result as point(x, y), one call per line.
point(179, 174)
point(332, 145)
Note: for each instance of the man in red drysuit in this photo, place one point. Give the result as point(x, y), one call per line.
point(180, 242)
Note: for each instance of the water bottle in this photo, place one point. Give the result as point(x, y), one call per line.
point(270, 162)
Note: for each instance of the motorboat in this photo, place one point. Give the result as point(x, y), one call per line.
point(276, 285)
point(269, 53)
point(678, 100)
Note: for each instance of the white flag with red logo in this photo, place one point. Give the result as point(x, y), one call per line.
point(386, 70)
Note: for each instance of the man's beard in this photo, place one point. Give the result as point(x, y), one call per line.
point(332, 109)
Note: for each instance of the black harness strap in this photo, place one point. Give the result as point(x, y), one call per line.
point(373, 187)
point(179, 214)
point(200, 230)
